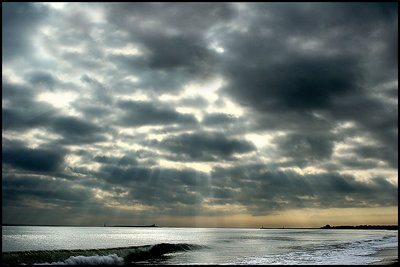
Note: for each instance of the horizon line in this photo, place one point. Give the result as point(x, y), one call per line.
point(248, 227)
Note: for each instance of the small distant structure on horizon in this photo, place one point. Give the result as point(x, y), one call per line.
point(262, 227)
point(152, 225)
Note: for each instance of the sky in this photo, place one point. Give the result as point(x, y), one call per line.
point(200, 114)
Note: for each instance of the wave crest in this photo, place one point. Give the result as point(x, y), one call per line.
point(115, 256)
point(158, 251)
point(112, 259)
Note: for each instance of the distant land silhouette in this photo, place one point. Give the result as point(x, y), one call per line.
point(371, 227)
point(153, 225)
point(381, 227)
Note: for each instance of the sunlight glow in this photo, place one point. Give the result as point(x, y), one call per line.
point(8, 75)
point(40, 42)
point(259, 139)
point(134, 96)
point(310, 170)
point(202, 167)
point(219, 49)
point(128, 50)
point(226, 208)
point(58, 99)
point(72, 160)
point(207, 90)
point(228, 107)
point(366, 175)
point(190, 111)
point(95, 14)
point(56, 5)
point(132, 78)
point(343, 126)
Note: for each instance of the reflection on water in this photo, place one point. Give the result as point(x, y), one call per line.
point(199, 245)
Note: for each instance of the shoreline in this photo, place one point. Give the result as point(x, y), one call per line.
point(390, 256)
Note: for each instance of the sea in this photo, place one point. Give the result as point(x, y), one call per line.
point(191, 246)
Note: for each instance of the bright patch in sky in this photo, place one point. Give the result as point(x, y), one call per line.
point(128, 50)
point(56, 5)
point(58, 99)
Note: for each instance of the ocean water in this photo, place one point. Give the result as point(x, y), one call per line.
point(162, 245)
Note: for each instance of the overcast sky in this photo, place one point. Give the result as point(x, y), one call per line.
point(200, 114)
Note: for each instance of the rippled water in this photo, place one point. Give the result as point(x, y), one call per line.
point(193, 245)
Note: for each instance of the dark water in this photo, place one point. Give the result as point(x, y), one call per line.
point(120, 245)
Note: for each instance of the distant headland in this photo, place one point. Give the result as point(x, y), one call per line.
point(153, 225)
point(370, 227)
point(377, 227)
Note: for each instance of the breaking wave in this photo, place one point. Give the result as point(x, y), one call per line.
point(111, 256)
point(112, 259)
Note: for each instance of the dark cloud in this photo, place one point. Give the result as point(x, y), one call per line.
point(177, 52)
point(152, 81)
point(17, 94)
point(100, 90)
point(374, 119)
point(378, 152)
point(192, 19)
point(207, 146)
point(218, 118)
point(41, 160)
point(20, 109)
point(125, 160)
point(307, 148)
point(23, 113)
point(76, 131)
point(91, 110)
point(145, 113)
point(356, 163)
point(176, 55)
point(262, 192)
point(28, 191)
point(40, 78)
point(291, 83)
point(19, 23)
point(194, 102)
point(14, 119)
point(159, 187)
point(298, 84)
point(267, 191)
point(43, 189)
point(169, 187)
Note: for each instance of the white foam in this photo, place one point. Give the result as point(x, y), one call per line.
point(349, 253)
point(112, 259)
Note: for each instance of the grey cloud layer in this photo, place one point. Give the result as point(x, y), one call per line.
point(146, 113)
point(284, 78)
point(313, 75)
point(204, 146)
point(19, 22)
point(33, 159)
point(169, 190)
